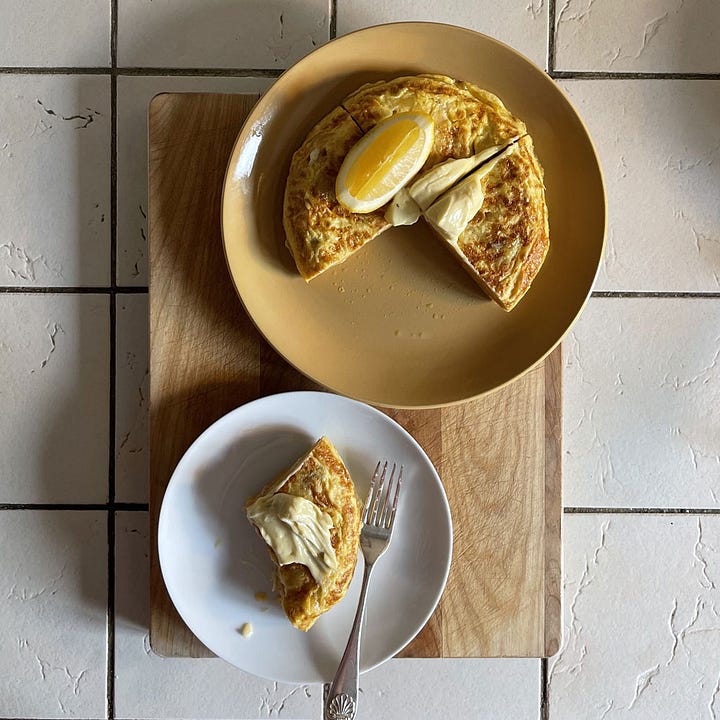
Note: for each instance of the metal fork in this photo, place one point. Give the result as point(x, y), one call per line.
point(375, 536)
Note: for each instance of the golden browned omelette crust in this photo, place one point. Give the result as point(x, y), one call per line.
point(506, 242)
point(467, 118)
point(319, 232)
point(324, 480)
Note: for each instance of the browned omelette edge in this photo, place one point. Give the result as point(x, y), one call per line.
point(531, 261)
point(309, 265)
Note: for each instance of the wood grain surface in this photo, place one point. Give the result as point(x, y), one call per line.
point(499, 456)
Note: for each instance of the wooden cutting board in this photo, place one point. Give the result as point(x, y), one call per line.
point(499, 456)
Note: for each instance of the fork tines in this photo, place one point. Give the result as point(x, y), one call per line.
point(377, 514)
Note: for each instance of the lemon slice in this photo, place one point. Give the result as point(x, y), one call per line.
point(383, 161)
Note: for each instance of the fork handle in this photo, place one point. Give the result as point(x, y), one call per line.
point(341, 701)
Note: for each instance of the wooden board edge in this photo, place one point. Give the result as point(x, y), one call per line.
point(553, 502)
point(161, 643)
point(157, 641)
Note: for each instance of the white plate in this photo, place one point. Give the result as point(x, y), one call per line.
point(213, 562)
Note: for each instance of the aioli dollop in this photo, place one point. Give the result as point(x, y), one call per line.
point(451, 213)
point(297, 530)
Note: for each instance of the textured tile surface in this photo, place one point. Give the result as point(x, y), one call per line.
point(150, 686)
point(53, 604)
point(131, 398)
point(49, 33)
point(520, 24)
point(642, 388)
point(651, 36)
point(240, 34)
point(134, 96)
point(642, 375)
point(54, 179)
point(659, 145)
point(408, 689)
point(642, 619)
point(54, 354)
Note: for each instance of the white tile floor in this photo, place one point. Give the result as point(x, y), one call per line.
point(641, 410)
point(651, 36)
point(55, 198)
point(132, 398)
point(659, 145)
point(642, 379)
point(642, 610)
point(520, 24)
point(246, 34)
point(39, 33)
point(54, 351)
point(53, 634)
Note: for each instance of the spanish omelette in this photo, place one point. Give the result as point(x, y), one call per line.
point(321, 478)
point(503, 245)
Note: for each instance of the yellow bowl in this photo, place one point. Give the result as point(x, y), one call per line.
point(400, 323)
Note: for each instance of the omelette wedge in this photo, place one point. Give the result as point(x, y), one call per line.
point(505, 243)
point(310, 519)
point(319, 231)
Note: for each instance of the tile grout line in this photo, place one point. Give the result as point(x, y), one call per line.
point(570, 510)
point(145, 71)
point(141, 289)
point(332, 30)
point(551, 38)
point(654, 294)
point(276, 72)
point(110, 697)
point(603, 75)
point(113, 33)
point(639, 511)
point(544, 690)
point(202, 72)
point(60, 70)
point(87, 290)
point(110, 507)
point(110, 679)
